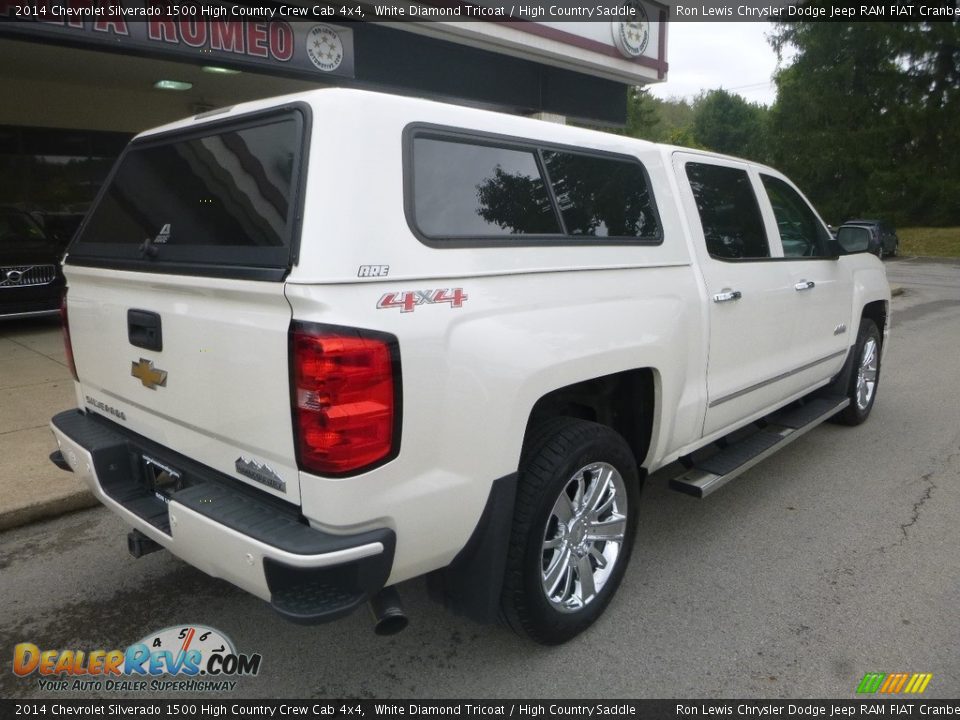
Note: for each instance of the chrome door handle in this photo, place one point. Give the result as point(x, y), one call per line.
point(727, 296)
point(804, 285)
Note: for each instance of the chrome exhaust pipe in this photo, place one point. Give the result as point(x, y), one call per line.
point(388, 615)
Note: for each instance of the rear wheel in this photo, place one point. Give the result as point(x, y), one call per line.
point(573, 530)
point(865, 378)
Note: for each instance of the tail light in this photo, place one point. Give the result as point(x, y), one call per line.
point(345, 388)
point(67, 345)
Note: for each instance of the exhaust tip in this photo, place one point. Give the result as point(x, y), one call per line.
point(391, 625)
point(389, 617)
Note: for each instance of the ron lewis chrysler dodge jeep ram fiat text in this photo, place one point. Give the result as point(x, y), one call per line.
point(328, 342)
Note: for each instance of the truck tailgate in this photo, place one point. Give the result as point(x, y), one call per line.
point(218, 391)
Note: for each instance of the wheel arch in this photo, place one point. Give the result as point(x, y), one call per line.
point(624, 401)
point(878, 311)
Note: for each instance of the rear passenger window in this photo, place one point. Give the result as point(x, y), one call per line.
point(729, 214)
point(465, 191)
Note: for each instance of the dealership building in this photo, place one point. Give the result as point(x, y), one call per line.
point(80, 77)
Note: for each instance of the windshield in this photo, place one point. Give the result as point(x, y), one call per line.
point(18, 226)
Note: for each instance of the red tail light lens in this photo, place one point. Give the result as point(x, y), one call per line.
point(346, 398)
point(67, 345)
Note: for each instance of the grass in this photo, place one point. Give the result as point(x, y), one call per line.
point(931, 242)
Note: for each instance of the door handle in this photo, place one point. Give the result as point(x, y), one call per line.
point(144, 330)
point(804, 285)
point(727, 295)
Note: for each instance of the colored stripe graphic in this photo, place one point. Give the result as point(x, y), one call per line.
point(894, 683)
point(871, 682)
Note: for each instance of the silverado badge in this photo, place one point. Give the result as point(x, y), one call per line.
point(147, 374)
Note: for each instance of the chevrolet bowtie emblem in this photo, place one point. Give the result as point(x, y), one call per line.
point(147, 374)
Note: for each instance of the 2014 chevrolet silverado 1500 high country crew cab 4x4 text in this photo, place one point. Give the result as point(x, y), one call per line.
point(328, 342)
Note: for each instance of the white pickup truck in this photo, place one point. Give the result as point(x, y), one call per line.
point(328, 342)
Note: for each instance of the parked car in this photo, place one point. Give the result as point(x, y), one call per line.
point(333, 341)
point(59, 226)
point(31, 282)
point(888, 244)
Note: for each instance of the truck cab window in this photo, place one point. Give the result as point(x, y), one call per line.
point(731, 220)
point(801, 233)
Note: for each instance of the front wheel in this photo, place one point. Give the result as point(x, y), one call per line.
point(573, 530)
point(865, 379)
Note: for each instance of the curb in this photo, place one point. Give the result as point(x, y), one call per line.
point(46, 510)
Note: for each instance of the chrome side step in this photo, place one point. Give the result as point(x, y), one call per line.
point(780, 429)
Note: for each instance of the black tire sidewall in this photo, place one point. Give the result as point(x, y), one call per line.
point(855, 415)
point(594, 443)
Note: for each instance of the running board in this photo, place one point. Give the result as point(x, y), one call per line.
point(780, 429)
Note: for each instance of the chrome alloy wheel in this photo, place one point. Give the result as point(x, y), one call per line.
point(583, 537)
point(867, 374)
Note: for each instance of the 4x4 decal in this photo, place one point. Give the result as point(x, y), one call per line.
point(408, 300)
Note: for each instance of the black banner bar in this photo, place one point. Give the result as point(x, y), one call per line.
point(214, 707)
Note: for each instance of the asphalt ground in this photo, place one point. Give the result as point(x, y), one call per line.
point(836, 557)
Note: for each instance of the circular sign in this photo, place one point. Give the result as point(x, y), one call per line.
point(631, 38)
point(324, 48)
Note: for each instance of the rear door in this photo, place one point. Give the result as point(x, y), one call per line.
point(176, 305)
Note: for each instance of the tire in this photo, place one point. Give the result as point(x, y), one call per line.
point(559, 577)
point(865, 378)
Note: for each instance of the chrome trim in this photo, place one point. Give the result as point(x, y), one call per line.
point(702, 482)
point(727, 296)
point(15, 276)
point(776, 378)
point(32, 313)
point(583, 539)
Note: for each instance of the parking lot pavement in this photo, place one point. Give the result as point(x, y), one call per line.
point(833, 558)
point(34, 385)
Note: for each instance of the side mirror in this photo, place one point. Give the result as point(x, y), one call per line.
point(853, 245)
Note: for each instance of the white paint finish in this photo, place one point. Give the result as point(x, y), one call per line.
point(535, 319)
point(225, 353)
point(472, 375)
point(215, 549)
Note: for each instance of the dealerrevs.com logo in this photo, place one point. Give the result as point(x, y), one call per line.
point(187, 658)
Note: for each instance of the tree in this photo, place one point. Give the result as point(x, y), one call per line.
point(865, 117)
point(726, 123)
point(642, 115)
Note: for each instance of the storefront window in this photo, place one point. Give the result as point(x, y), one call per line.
point(54, 174)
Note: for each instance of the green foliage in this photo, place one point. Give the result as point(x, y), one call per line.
point(866, 118)
point(866, 121)
point(930, 241)
point(726, 123)
point(716, 120)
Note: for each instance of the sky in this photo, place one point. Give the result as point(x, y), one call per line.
point(728, 55)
